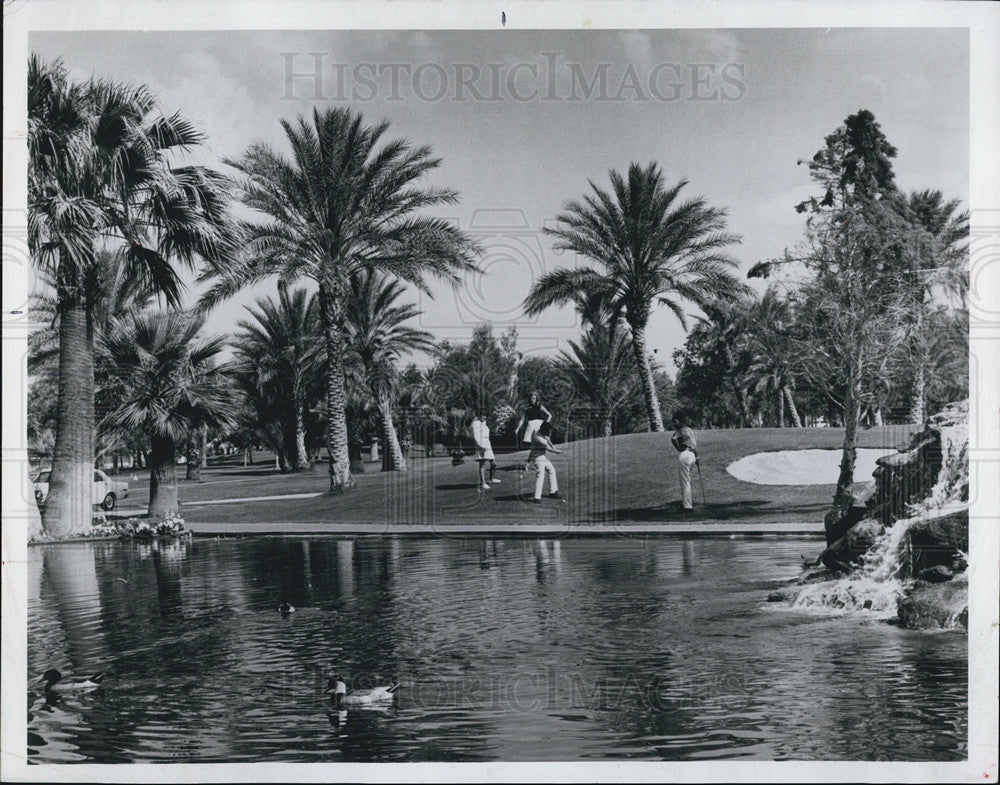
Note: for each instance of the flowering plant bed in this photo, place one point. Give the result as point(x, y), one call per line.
point(140, 529)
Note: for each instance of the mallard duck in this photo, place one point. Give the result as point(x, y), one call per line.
point(285, 608)
point(368, 697)
point(342, 697)
point(54, 681)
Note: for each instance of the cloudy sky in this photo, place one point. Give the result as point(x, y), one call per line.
point(522, 120)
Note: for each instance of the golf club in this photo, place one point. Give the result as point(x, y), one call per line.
point(697, 463)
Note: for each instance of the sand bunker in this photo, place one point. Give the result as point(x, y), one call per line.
point(802, 467)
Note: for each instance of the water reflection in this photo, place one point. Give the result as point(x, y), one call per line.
point(506, 649)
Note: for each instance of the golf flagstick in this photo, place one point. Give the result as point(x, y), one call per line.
point(697, 463)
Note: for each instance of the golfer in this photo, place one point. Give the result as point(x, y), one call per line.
point(533, 417)
point(484, 451)
point(687, 456)
point(540, 444)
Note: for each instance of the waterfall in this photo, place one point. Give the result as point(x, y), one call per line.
point(880, 580)
point(875, 586)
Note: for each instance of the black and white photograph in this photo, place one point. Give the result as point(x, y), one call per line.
point(608, 388)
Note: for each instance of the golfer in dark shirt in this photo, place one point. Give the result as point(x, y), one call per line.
point(533, 417)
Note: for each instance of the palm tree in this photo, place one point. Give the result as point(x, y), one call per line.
point(423, 402)
point(378, 336)
point(281, 352)
point(103, 175)
point(167, 385)
point(111, 295)
point(601, 367)
point(730, 324)
point(772, 368)
point(345, 202)
point(944, 267)
point(649, 249)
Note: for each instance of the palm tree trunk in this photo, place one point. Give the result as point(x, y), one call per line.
point(289, 444)
point(796, 420)
point(194, 454)
point(646, 375)
point(300, 442)
point(162, 478)
point(739, 389)
point(392, 440)
point(781, 407)
point(204, 446)
point(744, 400)
point(331, 308)
point(69, 506)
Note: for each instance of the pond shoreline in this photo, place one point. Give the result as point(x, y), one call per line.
point(686, 529)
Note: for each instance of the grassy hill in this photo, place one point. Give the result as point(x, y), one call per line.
point(630, 478)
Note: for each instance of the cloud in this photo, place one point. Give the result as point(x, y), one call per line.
point(719, 46)
point(423, 43)
point(219, 105)
point(638, 49)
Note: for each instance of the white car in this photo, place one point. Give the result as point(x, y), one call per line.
point(106, 492)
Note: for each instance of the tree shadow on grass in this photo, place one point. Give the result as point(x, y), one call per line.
point(269, 471)
point(528, 499)
point(672, 511)
point(461, 486)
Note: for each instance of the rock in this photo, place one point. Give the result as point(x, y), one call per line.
point(864, 495)
point(936, 574)
point(936, 542)
point(783, 595)
point(838, 527)
point(848, 550)
point(906, 477)
point(933, 606)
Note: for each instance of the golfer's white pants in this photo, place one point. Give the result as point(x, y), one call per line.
point(685, 461)
point(544, 466)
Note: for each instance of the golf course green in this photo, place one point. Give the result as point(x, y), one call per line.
point(617, 482)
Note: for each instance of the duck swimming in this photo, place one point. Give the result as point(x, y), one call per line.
point(359, 698)
point(285, 608)
point(54, 681)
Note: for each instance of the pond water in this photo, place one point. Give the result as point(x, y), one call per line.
point(506, 649)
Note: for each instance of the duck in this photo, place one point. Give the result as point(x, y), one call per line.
point(285, 608)
point(359, 698)
point(54, 681)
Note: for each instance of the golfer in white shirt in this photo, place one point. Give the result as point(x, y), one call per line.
point(484, 451)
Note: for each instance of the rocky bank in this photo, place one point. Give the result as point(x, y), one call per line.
point(902, 548)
